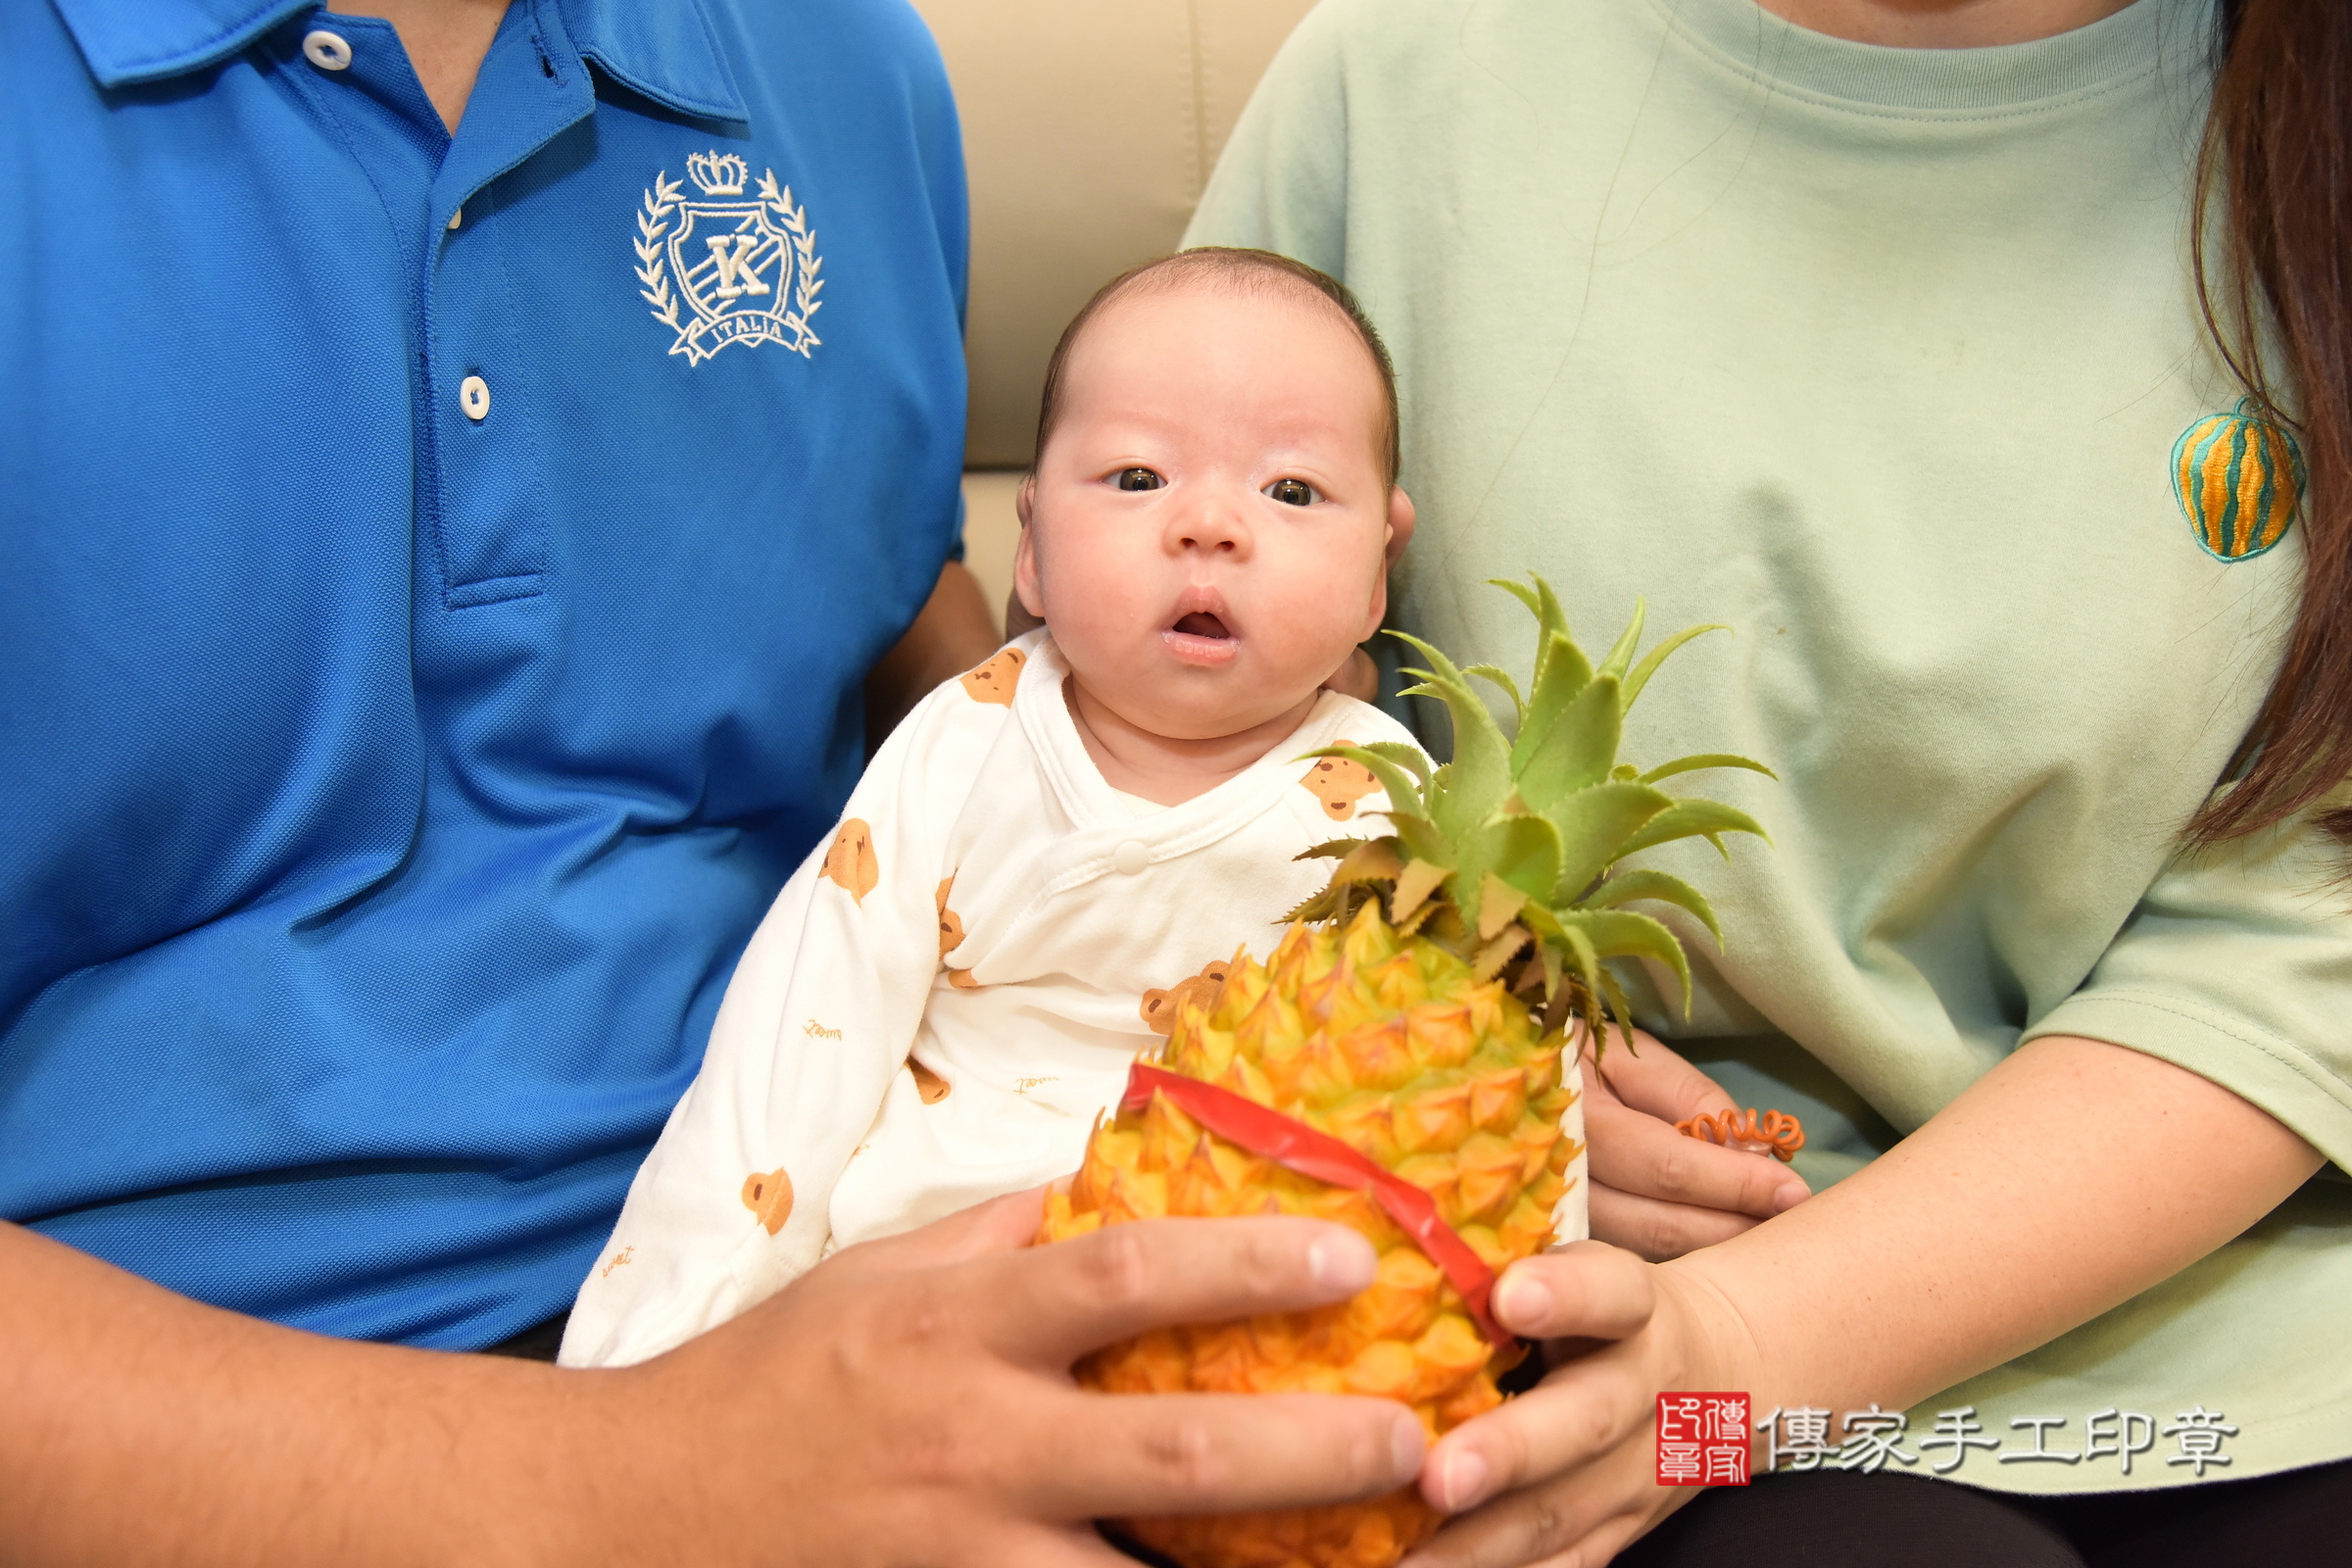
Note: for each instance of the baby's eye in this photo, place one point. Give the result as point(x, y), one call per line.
point(1140, 479)
point(1293, 492)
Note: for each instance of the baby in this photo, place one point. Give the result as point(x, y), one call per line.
point(1052, 847)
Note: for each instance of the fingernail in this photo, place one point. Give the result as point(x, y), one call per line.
point(1788, 1195)
point(1461, 1480)
point(1523, 1303)
point(1406, 1445)
point(1342, 1260)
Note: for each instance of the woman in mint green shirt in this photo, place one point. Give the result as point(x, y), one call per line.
point(1873, 328)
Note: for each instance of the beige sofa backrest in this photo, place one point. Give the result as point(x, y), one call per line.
point(1089, 129)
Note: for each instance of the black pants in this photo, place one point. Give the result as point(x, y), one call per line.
point(1842, 1519)
point(538, 1343)
point(1838, 1519)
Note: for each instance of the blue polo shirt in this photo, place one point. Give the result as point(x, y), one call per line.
point(435, 582)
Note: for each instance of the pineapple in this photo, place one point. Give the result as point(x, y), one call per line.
point(1416, 1010)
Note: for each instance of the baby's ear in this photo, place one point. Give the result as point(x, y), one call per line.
point(1401, 523)
point(1029, 591)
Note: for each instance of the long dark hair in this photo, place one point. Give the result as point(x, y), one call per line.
point(2272, 233)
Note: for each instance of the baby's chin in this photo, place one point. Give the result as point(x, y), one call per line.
point(1192, 704)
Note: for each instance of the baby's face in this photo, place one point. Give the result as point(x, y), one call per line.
point(1207, 529)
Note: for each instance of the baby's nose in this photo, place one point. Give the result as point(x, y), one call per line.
point(1214, 527)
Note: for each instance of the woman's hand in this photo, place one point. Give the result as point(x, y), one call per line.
point(1571, 1465)
point(1654, 1191)
point(2030, 1204)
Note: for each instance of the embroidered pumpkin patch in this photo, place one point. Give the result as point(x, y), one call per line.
point(2238, 478)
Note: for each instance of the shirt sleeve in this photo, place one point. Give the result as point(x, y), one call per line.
point(2237, 966)
point(1281, 185)
point(819, 1017)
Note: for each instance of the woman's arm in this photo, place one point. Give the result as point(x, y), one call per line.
point(2068, 1179)
point(907, 1401)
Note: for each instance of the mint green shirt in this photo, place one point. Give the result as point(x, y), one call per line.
point(1881, 357)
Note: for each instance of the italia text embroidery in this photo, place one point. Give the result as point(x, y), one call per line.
point(744, 270)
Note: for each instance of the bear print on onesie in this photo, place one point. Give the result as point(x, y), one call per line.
point(767, 1194)
point(850, 862)
point(951, 936)
point(1338, 784)
point(1160, 1007)
point(996, 681)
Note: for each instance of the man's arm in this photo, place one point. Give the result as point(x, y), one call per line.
point(143, 1428)
point(953, 632)
point(906, 1401)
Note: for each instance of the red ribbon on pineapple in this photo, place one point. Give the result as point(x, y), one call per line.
point(1294, 1146)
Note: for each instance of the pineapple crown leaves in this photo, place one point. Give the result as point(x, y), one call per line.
point(1508, 854)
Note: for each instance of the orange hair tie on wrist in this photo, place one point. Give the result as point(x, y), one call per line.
point(1782, 1134)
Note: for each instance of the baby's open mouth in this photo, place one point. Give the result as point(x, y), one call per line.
point(1201, 636)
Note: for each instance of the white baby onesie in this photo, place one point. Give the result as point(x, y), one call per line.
point(942, 999)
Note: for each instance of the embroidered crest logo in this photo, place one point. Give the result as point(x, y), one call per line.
point(2238, 477)
point(743, 270)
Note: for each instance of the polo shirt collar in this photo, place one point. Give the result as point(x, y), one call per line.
point(666, 52)
point(128, 41)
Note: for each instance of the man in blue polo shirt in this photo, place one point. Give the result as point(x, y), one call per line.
point(491, 549)
point(458, 467)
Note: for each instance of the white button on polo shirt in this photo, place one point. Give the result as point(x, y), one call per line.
point(327, 50)
point(474, 396)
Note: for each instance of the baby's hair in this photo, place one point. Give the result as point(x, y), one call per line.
point(1243, 270)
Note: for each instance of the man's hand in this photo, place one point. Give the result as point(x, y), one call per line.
point(1654, 1191)
point(915, 1403)
point(906, 1402)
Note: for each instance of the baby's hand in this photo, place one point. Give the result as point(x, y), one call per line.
point(1654, 1191)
